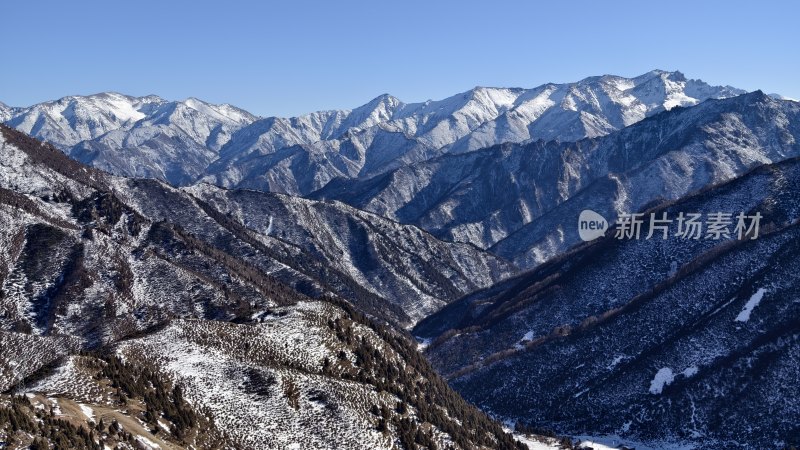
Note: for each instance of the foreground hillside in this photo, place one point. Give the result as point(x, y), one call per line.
point(163, 322)
point(669, 341)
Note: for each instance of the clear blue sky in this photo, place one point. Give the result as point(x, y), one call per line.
point(290, 57)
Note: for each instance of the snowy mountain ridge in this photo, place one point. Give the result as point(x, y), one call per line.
point(67, 121)
point(137, 136)
point(181, 142)
point(386, 133)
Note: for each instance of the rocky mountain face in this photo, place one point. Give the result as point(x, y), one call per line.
point(410, 272)
point(522, 201)
point(151, 309)
point(5, 112)
point(395, 272)
point(671, 342)
point(181, 142)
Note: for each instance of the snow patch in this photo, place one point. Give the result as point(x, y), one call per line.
point(664, 377)
point(87, 411)
point(755, 299)
point(533, 444)
point(147, 442)
point(269, 227)
point(423, 343)
point(526, 338)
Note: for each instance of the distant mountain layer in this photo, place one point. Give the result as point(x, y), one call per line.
point(182, 327)
point(181, 142)
point(675, 341)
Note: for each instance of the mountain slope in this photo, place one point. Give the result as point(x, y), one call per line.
point(70, 120)
point(190, 334)
point(662, 340)
point(401, 263)
point(175, 142)
point(6, 112)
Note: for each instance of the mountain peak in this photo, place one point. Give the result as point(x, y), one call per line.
point(758, 96)
point(676, 76)
point(195, 102)
point(386, 100)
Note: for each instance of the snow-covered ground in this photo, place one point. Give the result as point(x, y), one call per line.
point(242, 385)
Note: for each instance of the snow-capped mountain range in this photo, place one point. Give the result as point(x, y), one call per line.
point(318, 247)
point(520, 200)
point(182, 142)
